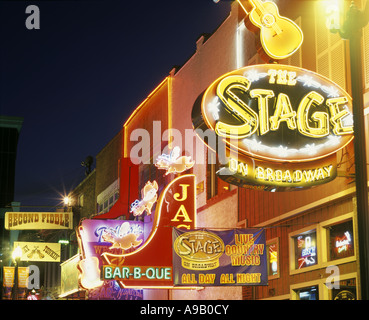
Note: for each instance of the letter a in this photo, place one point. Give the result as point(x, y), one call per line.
point(184, 214)
point(333, 281)
point(33, 21)
point(33, 281)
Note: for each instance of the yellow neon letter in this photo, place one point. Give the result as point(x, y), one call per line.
point(184, 215)
point(262, 95)
point(337, 115)
point(320, 118)
point(283, 112)
point(233, 165)
point(184, 192)
point(227, 92)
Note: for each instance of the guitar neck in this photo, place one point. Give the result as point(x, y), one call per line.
point(258, 5)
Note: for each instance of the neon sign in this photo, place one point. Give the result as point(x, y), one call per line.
point(222, 258)
point(280, 37)
point(307, 251)
point(281, 125)
point(96, 237)
point(150, 264)
point(149, 197)
point(174, 163)
point(199, 250)
point(343, 244)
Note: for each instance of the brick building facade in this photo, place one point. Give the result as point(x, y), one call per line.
point(318, 215)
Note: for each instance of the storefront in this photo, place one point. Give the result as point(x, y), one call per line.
point(299, 190)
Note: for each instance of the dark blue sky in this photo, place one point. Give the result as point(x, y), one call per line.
point(77, 79)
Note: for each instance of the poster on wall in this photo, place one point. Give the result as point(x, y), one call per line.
point(219, 258)
point(8, 282)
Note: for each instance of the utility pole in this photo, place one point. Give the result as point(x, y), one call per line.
point(352, 31)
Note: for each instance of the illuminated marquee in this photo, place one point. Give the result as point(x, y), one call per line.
point(281, 125)
point(220, 258)
point(38, 220)
point(150, 265)
point(97, 237)
point(137, 254)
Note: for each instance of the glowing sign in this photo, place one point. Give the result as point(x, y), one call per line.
point(104, 236)
point(38, 220)
point(342, 244)
point(149, 197)
point(150, 265)
point(332, 11)
point(280, 37)
point(285, 118)
point(306, 249)
point(174, 163)
point(220, 258)
point(199, 250)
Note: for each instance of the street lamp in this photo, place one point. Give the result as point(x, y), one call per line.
point(16, 255)
point(352, 30)
point(67, 201)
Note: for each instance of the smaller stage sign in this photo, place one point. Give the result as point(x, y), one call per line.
point(219, 258)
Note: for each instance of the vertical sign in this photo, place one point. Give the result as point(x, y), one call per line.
point(150, 265)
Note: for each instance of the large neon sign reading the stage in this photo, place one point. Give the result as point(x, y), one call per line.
point(281, 125)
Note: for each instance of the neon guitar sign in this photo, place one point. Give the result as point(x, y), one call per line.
point(280, 37)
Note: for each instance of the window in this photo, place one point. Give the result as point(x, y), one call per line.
point(329, 243)
point(305, 250)
point(107, 198)
point(317, 246)
point(341, 241)
point(296, 58)
point(346, 290)
point(310, 293)
point(330, 50)
point(80, 200)
point(273, 258)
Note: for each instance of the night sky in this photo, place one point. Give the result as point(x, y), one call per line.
point(77, 79)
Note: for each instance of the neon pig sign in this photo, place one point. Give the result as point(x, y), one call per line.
point(281, 125)
point(104, 236)
point(137, 254)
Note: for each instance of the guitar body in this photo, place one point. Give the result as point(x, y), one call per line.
point(279, 37)
point(90, 273)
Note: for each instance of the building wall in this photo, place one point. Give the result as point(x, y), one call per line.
point(84, 198)
point(9, 133)
point(284, 215)
point(107, 163)
point(214, 56)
